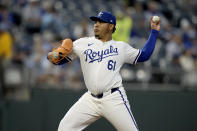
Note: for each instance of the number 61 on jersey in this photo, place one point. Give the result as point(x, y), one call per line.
point(111, 65)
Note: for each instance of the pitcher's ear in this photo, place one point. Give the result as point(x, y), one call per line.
point(112, 27)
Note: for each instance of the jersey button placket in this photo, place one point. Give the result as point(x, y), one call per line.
point(100, 47)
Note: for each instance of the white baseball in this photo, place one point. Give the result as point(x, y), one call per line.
point(155, 18)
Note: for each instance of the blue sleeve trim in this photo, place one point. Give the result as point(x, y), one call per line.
point(136, 59)
point(149, 47)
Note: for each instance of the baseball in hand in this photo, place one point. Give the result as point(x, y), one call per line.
point(155, 18)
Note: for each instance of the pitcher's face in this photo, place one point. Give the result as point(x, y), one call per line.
point(101, 29)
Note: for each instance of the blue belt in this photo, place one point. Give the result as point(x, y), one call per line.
point(101, 95)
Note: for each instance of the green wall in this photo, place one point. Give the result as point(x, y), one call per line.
point(153, 111)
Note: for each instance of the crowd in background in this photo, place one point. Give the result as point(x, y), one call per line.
point(29, 29)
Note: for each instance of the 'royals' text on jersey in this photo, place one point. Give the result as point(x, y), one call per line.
point(101, 62)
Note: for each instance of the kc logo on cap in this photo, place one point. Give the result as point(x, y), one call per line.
point(105, 16)
point(100, 14)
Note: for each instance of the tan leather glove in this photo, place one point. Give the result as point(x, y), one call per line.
point(61, 52)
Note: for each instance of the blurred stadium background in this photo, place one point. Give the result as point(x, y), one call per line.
point(35, 95)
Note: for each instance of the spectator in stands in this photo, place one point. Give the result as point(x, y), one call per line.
point(50, 18)
point(188, 65)
point(174, 47)
point(186, 61)
point(138, 15)
point(123, 27)
point(5, 43)
point(5, 16)
point(5, 54)
point(83, 29)
point(32, 16)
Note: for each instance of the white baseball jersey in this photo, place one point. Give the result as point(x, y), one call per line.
point(101, 62)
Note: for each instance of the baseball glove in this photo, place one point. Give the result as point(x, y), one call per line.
point(59, 54)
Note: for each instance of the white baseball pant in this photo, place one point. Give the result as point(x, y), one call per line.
point(114, 107)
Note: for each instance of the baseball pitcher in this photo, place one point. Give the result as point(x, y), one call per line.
point(101, 59)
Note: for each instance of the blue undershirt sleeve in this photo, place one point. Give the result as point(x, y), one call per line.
point(148, 48)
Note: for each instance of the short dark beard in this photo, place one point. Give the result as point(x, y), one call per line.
point(98, 37)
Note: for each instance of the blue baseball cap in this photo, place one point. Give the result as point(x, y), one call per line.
point(105, 16)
